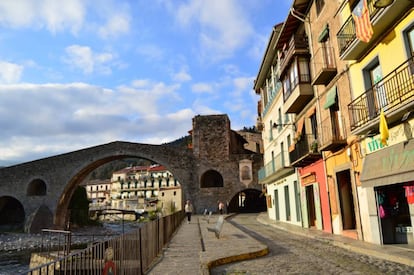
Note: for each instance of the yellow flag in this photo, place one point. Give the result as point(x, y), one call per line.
point(383, 129)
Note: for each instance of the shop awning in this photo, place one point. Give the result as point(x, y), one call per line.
point(393, 164)
point(311, 111)
point(299, 126)
point(330, 98)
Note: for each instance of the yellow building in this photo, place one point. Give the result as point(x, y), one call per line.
point(378, 42)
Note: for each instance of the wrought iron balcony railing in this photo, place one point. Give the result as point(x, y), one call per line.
point(334, 132)
point(324, 66)
point(347, 33)
point(279, 162)
point(306, 151)
point(392, 92)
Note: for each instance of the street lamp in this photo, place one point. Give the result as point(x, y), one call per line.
point(382, 3)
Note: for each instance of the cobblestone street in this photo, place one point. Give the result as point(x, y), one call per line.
point(294, 254)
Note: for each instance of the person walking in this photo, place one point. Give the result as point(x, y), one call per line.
point(188, 208)
point(221, 207)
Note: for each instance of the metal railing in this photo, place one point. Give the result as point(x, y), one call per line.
point(333, 129)
point(347, 33)
point(130, 253)
point(306, 145)
point(394, 90)
point(279, 162)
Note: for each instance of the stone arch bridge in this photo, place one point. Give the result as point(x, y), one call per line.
point(40, 190)
point(61, 175)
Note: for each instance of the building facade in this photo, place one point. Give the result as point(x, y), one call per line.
point(278, 178)
point(381, 70)
point(99, 192)
point(145, 188)
point(328, 67)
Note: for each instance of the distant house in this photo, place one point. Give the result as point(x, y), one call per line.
point(145, 187)
point(99, 191)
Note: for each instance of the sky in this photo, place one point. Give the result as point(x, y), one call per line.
point(81, 73)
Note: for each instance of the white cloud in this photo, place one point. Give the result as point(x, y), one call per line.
point(61, 15)
point(9, 72)
point(202, 88)
point(181, 76)
point(151, 52)
point(53, 15)
point(64, 117)
point(116, 25)
point(223, 26)
point(82, 57)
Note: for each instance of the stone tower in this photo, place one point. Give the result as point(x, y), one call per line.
point(211, 137)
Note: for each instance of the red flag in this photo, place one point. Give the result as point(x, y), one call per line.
point(363, 27)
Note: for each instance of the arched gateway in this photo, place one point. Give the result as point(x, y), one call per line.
point(44, 187)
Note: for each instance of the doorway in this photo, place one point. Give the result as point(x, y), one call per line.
point(310, 202)
point(394, 214)
point(346, 200)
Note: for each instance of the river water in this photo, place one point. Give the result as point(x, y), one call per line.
point(16, 248)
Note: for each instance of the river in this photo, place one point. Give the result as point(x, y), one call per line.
point(16, 248)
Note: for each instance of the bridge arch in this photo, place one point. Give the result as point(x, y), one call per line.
point(36, 187)
point(247, 201)
point(12, 214)
point(177, 163)
point(61, 175)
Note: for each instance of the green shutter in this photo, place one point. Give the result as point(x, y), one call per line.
point(330, 98)
point(323, 36)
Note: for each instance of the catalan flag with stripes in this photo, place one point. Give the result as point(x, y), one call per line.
point(363, 26)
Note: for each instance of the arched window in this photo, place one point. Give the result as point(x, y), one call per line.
point(211, 178)
point(36, 187)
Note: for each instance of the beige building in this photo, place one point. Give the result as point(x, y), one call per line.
point(99, 192)
point(145, 188)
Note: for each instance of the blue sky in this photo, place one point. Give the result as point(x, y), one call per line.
point(80, 73)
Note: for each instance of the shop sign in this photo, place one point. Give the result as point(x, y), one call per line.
point(308, 178)
point(396, 135)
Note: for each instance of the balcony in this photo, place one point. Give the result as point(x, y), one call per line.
point(275, 169)
point(382, 20)
point(298, 45)
point(394, 94)
point(323, 64)
point(334, 133)
point(299, 94)
point(306, 151)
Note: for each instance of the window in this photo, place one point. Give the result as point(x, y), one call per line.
point(304, 70)
point(298, 72)
point(372, 76)
point(36, 187)
point(279, 119)
point(297, 200)
point(287, 202)
point(289, 140)
point(271, 130)
point(410, 40)
point(319, 6)
point(314, 125)
point(211, 178)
